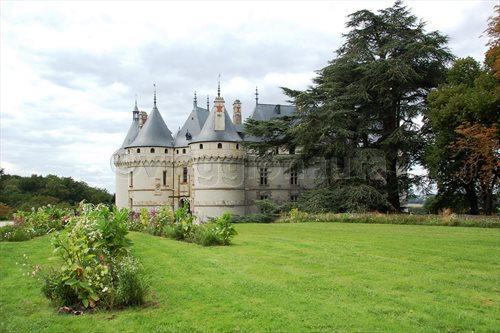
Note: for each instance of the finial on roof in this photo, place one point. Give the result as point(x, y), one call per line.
point(218, 87)
point(195, 101)
point(135, 107)
point(208, 103)
point(154, 100)
point(256, 95)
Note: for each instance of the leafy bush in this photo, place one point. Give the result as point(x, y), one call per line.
point(255, 218)
point(36, 222)
point(14, 233)
point(98, 269)
point(353, 198)
point(224, 229)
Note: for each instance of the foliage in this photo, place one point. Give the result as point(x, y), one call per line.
point(344, 197)
point(492, 56)
point(180, 225)
point(447, 218)
point(224, 230)
point(470, 96)
point(36, 222)
point(23, 193)
point(481, 164)
point(98, 269)
point(364, 102)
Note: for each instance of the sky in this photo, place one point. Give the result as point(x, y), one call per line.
point(70, 70)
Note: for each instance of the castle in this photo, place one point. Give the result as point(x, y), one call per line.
point(203, 165)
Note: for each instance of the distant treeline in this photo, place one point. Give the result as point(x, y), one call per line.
point(23, 193)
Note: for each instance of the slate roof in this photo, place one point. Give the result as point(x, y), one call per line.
point(268, 111)
point(193, 126)
point(154, 133)
point(209, 134)
point(131, 134)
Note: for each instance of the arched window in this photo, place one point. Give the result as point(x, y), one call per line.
point(237, 146)
point(219, 145)
point(152, 150)
point(184, 150)
point(201, 145)
point(177, 151)
point(138, 150)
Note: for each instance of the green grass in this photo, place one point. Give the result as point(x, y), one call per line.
point(317, 277)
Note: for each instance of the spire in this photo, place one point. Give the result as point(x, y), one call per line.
point(256, 95)
point(154, 100)
point(208, 104)
point(218, 87)
point(135, 111)
point(195, 101)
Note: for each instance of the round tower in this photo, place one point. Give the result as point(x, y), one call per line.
point(218, 166)
point(144, 168)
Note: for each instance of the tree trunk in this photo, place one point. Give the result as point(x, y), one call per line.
point(471, 195)
point(392, 184)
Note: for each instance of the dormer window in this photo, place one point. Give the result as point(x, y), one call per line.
point(188, 136)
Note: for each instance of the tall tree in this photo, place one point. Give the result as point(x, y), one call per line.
point(469, 97)
point(367, 98)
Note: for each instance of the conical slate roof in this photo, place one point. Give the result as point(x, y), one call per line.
point(131, 134)
point(209, 134)
point(154, 133)
point(192, 127)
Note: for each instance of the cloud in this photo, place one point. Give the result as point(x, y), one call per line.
point(69, 71)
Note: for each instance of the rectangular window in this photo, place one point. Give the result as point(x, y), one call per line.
point(293, 177)
point(294, 197)
point(184, 175)
point(263, 176)
point(264, 197)
point(131, 179)
point(164, 178)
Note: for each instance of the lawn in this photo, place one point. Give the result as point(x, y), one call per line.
point(316, 277)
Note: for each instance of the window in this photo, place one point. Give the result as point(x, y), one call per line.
point(291, 151)
point(264, 197)
point(184, 175)
point(263, 176)
point(131, 179)
point(128, 151)
point(164, 178)
point(177, 151)
point(152, 150)
point(138, 150)
point(166, 151)
point(237, 146)
point(201, 145)
point(293, 177)
point(184, 150)
point(294, 197)
point(131, 203)
point(219, 145)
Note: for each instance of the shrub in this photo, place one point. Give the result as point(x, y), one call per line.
point(224, 229)
point(98, 269)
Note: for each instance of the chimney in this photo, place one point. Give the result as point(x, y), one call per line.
point(237, 112)
point(143, 116)
point(220, 124)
